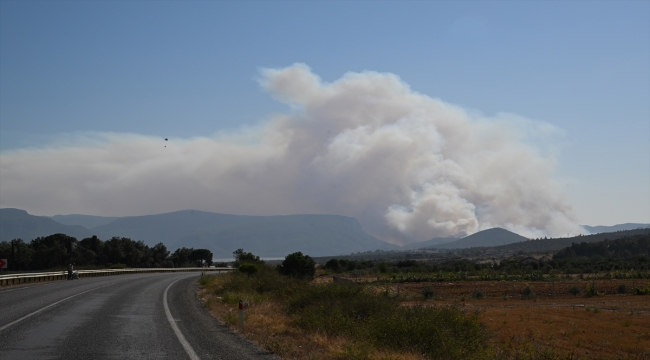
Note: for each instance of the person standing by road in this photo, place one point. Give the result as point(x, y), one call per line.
point(69, 271)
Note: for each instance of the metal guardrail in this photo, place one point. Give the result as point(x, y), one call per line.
point(14, 279)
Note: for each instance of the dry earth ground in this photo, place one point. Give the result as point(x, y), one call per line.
point(610, 326)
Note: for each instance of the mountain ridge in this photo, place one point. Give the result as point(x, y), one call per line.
point(17, 223)
point(268, 236)
point(489, 237)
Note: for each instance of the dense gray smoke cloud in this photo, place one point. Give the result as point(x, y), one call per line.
point(408, 166)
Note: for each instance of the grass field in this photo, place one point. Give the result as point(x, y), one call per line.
point(550, 322)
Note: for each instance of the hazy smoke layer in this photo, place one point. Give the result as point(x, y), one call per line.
point(409, 167)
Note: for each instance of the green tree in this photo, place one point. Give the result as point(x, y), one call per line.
point(249, 269)
point(242, 257)
point(181, 257)
point(53, 251)
point(332, 264)
point(297, 265)
point(201, 256)
point(158, 256)
point(18, 254)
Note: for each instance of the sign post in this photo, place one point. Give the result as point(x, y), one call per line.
point(241, 315)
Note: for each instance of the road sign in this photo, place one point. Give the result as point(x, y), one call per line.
point(3, 263)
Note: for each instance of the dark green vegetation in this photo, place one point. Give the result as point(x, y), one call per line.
point(249, 269)
point(552, 244)
point(624, 249)
point(369, 320)
point(621, 258)
point(242, 257)
point(298, 266)
point(58, 250)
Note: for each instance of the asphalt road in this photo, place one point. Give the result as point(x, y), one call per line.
point(138, 316)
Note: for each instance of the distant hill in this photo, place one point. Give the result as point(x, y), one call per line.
point(489, 237)
point(546, 245)
point(276, 236)
point(628, 247)
point(269, 236)
point(87, 221)
point(16, 223)
point(429, 243)
point(613, 228)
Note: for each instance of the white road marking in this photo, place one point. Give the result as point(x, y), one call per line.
point(188, 348)
point(49, 306)
point(23, 288)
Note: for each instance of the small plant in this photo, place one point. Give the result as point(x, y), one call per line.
point(478, 294)
point(428, 293)
point(642, 290)
point(528, 293)
point(621, 289)
point(591, 291)
point(231, 318)
point(354, 353)
point(574, 290)
point(594, 309)
point(626, 323)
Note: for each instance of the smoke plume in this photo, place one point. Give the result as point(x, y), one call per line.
point(409, 167)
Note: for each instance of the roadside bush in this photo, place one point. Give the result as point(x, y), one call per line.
point(332, 264)
point(574, 290)
point(242, 257)
point(249, 269)
point(365, 318)
point(298, 265)
point(437, 332)
point(621, 289)
point(266, 282)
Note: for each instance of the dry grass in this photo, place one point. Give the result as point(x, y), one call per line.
point(612, 327)
point(272, 330)
point(564, 326)
point(599, 327)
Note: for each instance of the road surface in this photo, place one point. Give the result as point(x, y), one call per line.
point(139, 316)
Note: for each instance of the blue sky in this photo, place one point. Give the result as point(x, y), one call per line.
point(192, 69)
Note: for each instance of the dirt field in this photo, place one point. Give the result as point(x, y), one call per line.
point(607, 326)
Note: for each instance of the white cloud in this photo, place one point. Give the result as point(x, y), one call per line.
point(408, 166)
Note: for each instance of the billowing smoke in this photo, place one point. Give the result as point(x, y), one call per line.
point(407, 166)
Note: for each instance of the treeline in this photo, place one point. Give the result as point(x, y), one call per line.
point(609, 256)
point(58, 250)
point(625, 248)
